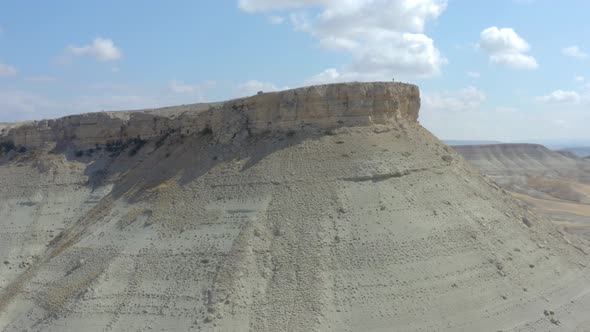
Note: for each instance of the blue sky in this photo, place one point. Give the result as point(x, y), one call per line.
point(499, 70)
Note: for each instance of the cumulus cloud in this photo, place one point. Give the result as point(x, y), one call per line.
point(262, 5)
point(504, 46)
point(252, 87)
point(7, 70)
point(384, 37)
point(574, 52)
point(101, 49)
point(560, 97)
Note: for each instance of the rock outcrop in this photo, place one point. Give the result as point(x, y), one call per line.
point(325, 106)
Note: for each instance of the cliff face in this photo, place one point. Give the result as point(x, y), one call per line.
point(327, 106)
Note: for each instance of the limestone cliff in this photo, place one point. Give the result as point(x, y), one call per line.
point(325, 106)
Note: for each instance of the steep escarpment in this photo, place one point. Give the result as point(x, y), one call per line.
point(324, 106)
point(318, 209)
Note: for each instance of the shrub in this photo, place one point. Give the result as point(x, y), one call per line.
point(163, 138)
point(7, 146)
point(206, 131)
point(138, 143)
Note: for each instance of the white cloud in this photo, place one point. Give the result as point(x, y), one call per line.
point(466, 99)
point(252, 87)
point(574, 52)
point(330, 75)
point(579, 78)
point(506, 47)
point(101, 49)
point(560, 97)
point(473, 74)
point(262, 5)
point(384, 37)
point(276, 19)
point(7, 70)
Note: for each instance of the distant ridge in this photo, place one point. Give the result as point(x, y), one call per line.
point(469, 142)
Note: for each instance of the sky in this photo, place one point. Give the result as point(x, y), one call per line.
point(505, 70)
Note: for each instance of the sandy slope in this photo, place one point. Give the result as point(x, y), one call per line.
point(375, 228)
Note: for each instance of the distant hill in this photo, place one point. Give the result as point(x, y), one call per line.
point(555, 183)
point(453, 142)
point(579, 151)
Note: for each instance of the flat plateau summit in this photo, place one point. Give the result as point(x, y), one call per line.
point(325, 208)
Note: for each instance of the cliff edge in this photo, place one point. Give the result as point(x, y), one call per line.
point(323, 106)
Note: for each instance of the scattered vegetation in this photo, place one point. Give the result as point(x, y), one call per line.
point(206, 131)
point(163, 138)
point(7, 146)
point(137, 144)
point(114, 148)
